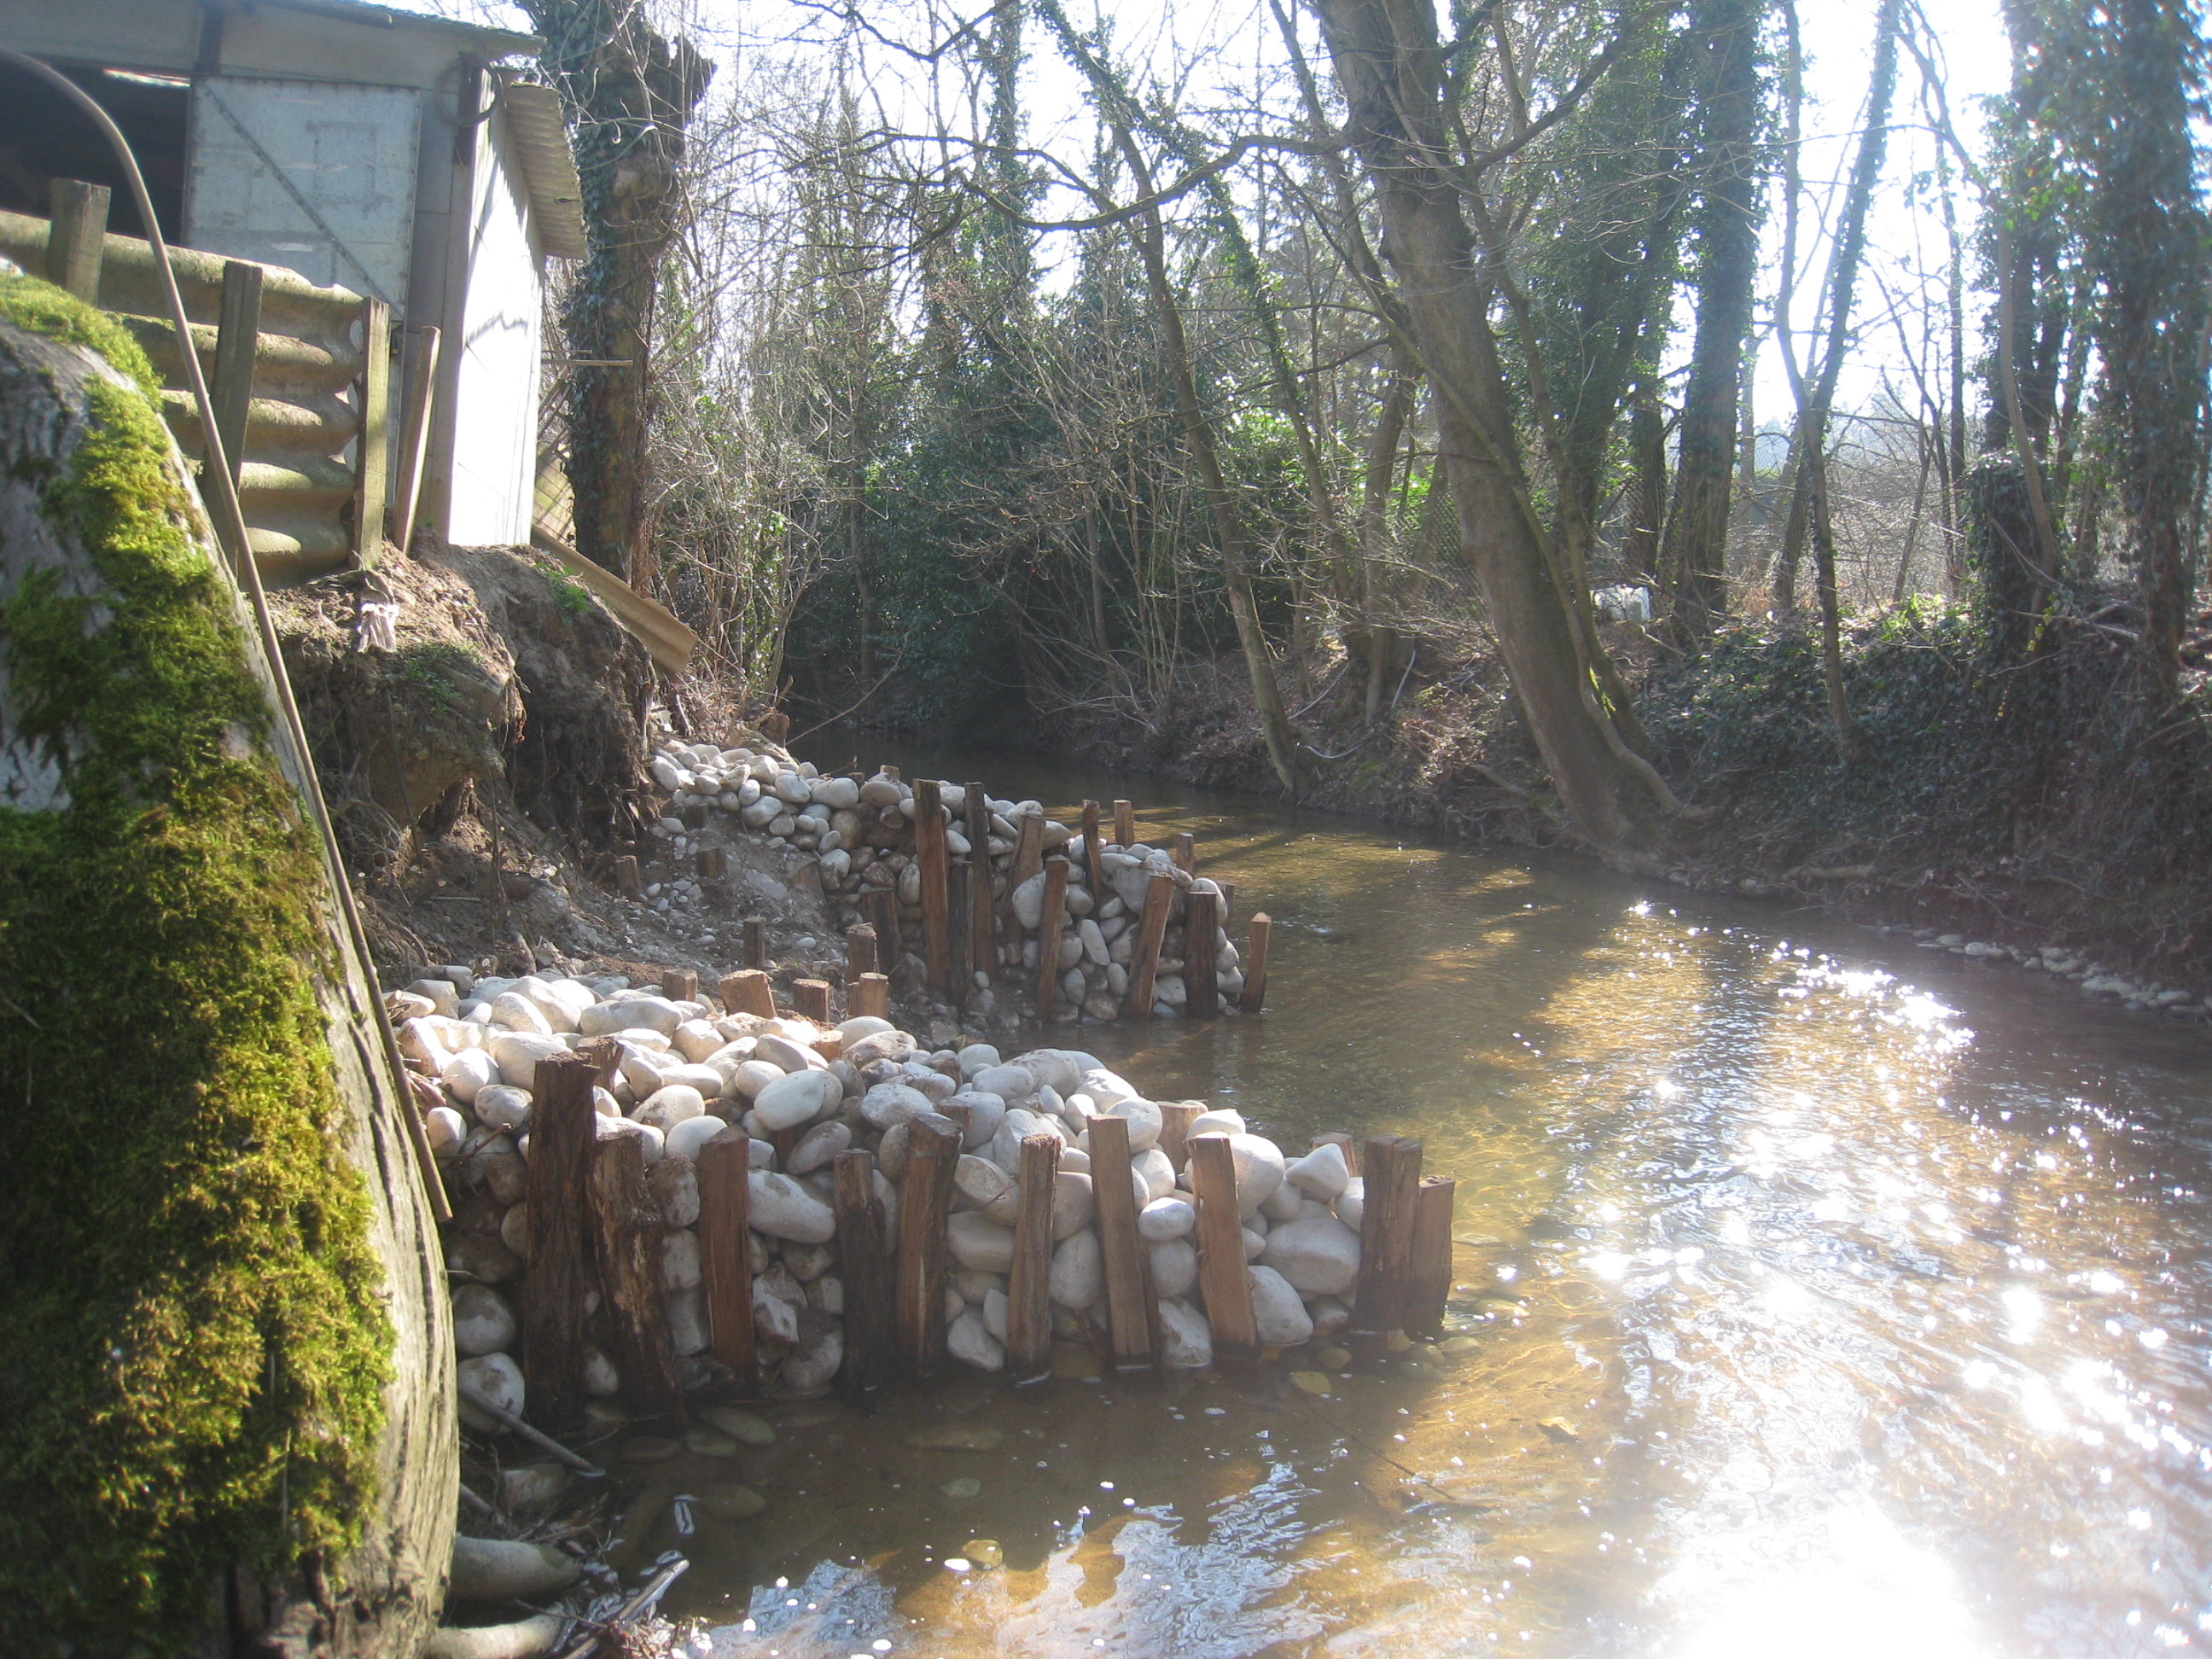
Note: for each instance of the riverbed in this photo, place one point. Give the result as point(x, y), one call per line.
point(1814, 1294)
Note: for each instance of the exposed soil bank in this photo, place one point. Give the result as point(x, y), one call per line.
point(2050, 802)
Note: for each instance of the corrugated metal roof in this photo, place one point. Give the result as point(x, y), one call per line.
point(495, 42)
point(549, 166)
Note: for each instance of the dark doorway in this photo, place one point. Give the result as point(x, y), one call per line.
point(44, 137)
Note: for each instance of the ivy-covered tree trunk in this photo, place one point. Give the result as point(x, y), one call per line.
point(226, 1358)
point(630, 92)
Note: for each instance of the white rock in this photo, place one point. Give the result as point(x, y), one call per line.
point(1029, 902)
point(686, 1139)
point(1221, 1120)
point(1104, 1087)
point(809, 1371)
point(1351, 1203)
point(796, 1097)
point(680, 1267)
point(979, 1181)
point(1174, 1266)
point(1286, 1203)
point(498, 1379)
point(970, 1341)
point(666, 1107)
point(674, 1183)
point(1278, 1315)
point(1322, 1173)
point(1012, 1083)
point(651, 1143)
point(1329, 1316)
point(985, 1113)
point(977, 1241)
point(774, 1320)
point(835, 794)
point(687, 1321)
point(1157, 1171)
point(995, 1309)
point(518, 1013)
point(1075, 1201)
point(517, 1054)
point(601, 1380)
point(469, 1072)
point(780, 1208)
point(482, 1321)
point(1319, 1256)
point(1078, 1271)
point(819, 1145)
point(887, 1103)
point(558, 1011)
point(1166, 1217)
point(447, 1129)
point(808, 1262)
point(749, 1077)
point(1260, 1166)
point(502, 1106)
point(695, 1039)
point(650, 1012)
point(1186, 1339)
point(1144, 1121)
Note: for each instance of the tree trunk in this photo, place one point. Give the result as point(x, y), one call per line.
point(1695, 552)
point(225, 1352)
point(1379, 642)
point(1391, 70)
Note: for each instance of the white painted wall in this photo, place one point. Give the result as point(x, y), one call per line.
point(496, 398)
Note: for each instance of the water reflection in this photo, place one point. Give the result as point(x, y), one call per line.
point(1812, 1296)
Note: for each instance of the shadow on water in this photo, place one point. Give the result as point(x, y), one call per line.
point(1812, 1294)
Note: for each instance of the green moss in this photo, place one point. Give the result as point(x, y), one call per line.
point(44, 309)
point(192, 1343)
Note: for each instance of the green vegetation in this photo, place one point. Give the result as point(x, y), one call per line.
point(192, 1345)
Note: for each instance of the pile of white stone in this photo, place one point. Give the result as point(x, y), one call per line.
point(861, 835)
point(687, 1076)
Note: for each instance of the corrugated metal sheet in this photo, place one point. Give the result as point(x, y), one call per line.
point(541, 140)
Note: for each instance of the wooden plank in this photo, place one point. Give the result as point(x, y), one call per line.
point(629, 881)
point(871, 995)
point(1096, 871)
point(1184, 852)
point(883, 903)
point(1175, 1118)
point(1145, 959)
point(1428, 1283)
point(754, 952)
point(925, 1202)
point(626, 1235)
point(809, 999)
point(1228, 900)
point(1128, 1300)
point(749, 991)
point(1125, 824)
point(76, 238)
point(865, 1266)
point(711, 863)
point(982, 922)
point(238, 337)
point(679, 985)
point(415, 433)
point(1029, 848)
point(563, 1129)
point(1386, 1246)
point(1200, 977)
point(373, 450)
point(860, 956)
point(1255, 966)
point(1221, 1270)
point(1028, 1287)
point(726, 1254)
point(929, 852)
point(1048, 935)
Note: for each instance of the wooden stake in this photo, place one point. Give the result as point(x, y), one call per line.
point(982, 929)
point(76, 239)
point(865, 1266)
point(628, 881)
point(1256, 966)
point(883, 902)
point(1200, 978)
point(1221, 1270)
point(1185, 852)
point(1144, 960)
point(860, 952)
point(749, 991)
point(756, 944)
point(1428, 1285)
point(1054, 923)
point(1228, 899)
point(1386, 1246)
point(373, 448)
point(872, 995)
point(626, 1235)
point(1128, 1300)
point(1028, 1291)
point(1125, 824)
point(679, 985)
point(925, 1200)
point(1175, 1118)
point(1090, 850)
point(238, 337)
point(563, 1129)
point(1029, 848)
point(711, 863)
point(415, 433)
point(929, 852)
point(809, 999)
point(726, 1254)
point(957, 897)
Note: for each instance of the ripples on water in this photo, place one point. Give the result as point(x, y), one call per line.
point(1864, 1293)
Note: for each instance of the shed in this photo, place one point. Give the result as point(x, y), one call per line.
point(385, 155)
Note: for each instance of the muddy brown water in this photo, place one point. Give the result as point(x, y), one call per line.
point(1819, 1296)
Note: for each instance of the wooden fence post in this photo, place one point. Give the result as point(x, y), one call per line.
point(1125, 824)
point(76, 239)
point(809, 999)
point(747, 990)
point(725, 1213)
point(925, 1202)
point(871, 995)
point(982, 930)
point(1386, 1245)
point(1145, 959)
point(373, 448)
point(1096, 871)
point(1221, 1269)
point(711, 863)
point(679, 985)
point(1428, 1284)
point(238, 337)
point(626, 1235)
point(883, 901)
point(1175, 1118)
point(1255, 966)
point(563, 1129)
point(865, 1266)
point(628, 880)
point(1028, 1288)
point(754, 949)
point(415, 433)
point(1200, 977)
point(1029, 848)
point(860, 956)
point(1128, 1303)
point(1185, 852)
point(1054, 923)
point(929, 852)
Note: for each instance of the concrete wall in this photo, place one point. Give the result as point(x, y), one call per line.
point(495, 396)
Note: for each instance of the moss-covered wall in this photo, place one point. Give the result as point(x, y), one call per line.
point(193, 1348)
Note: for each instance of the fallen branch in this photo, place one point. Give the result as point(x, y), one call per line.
point(543, 1441)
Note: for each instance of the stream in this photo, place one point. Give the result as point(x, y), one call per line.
point(1814, 1294)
